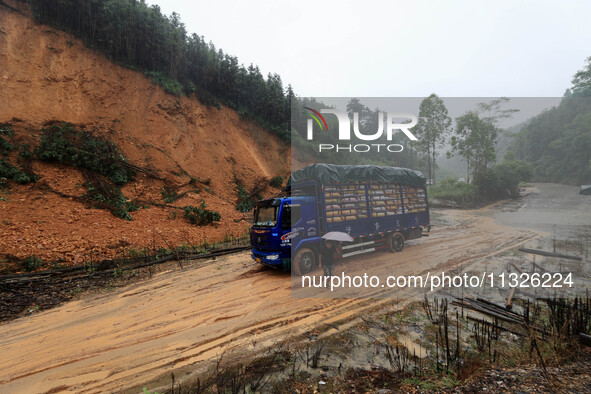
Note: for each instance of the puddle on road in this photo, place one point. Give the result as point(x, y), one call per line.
point(547, 207)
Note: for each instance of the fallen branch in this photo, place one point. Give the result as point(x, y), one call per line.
point(550, 254)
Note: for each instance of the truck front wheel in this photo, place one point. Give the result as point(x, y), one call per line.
point(303, 262)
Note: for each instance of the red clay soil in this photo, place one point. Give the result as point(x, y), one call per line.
point(48, 75)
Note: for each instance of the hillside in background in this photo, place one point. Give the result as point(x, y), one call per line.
point(558, 142)
point(184, 153)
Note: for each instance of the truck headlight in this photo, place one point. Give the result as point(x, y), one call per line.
point(272, 257)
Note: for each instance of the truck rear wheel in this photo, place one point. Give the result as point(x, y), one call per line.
point(303, 262)
point(395, 242)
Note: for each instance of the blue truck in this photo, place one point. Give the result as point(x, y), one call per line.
point(380, 207)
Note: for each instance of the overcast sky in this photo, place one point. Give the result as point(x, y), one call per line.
point(401, 48)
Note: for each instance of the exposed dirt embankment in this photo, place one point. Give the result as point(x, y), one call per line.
point(48, 75)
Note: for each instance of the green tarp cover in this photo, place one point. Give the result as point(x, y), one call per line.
point(331, 173)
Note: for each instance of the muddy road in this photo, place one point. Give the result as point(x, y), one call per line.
point(128, 338)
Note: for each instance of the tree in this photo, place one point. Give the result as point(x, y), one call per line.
point(368, 120)
point(502, 180)
point(476, 134)
point(474, 140)
point(582, 80)
point(493, 113)
point(432, 128)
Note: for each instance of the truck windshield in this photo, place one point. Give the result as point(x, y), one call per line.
point(265, 216)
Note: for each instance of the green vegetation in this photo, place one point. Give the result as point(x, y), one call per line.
point(558, 141)
point(475, 136)
point(8, 171)
point(137, 35)
point(25, 152)
point(118, 271)
point(474, 139)
point(5, 146)
point(169, 85)
point(106, 196)
point(99, 158)
point(554, 146)
point(500, 181)
point(451, 190)
point(503, 179)
point(201, 216)
point(246, 201)
point(276, 182)
point(64, 144)
point(132, 206)
point(31, 263)
point(432, 127)
point(6, 129)
point(169, 194)
point(582, 81)
point(435, 383)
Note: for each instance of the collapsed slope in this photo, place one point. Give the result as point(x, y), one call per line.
point(48, 76)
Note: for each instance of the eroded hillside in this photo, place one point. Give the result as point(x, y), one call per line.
point(49, 77)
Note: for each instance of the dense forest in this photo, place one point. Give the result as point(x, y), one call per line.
point(558, 141)
point(139, 36)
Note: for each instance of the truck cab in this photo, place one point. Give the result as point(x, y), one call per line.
point(283, 224)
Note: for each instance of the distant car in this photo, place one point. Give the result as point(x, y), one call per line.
point(430, 182)
point(462, 180)
point(585, 190)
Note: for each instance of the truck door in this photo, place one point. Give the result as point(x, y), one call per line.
point(302, 223)
point(290, 217)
